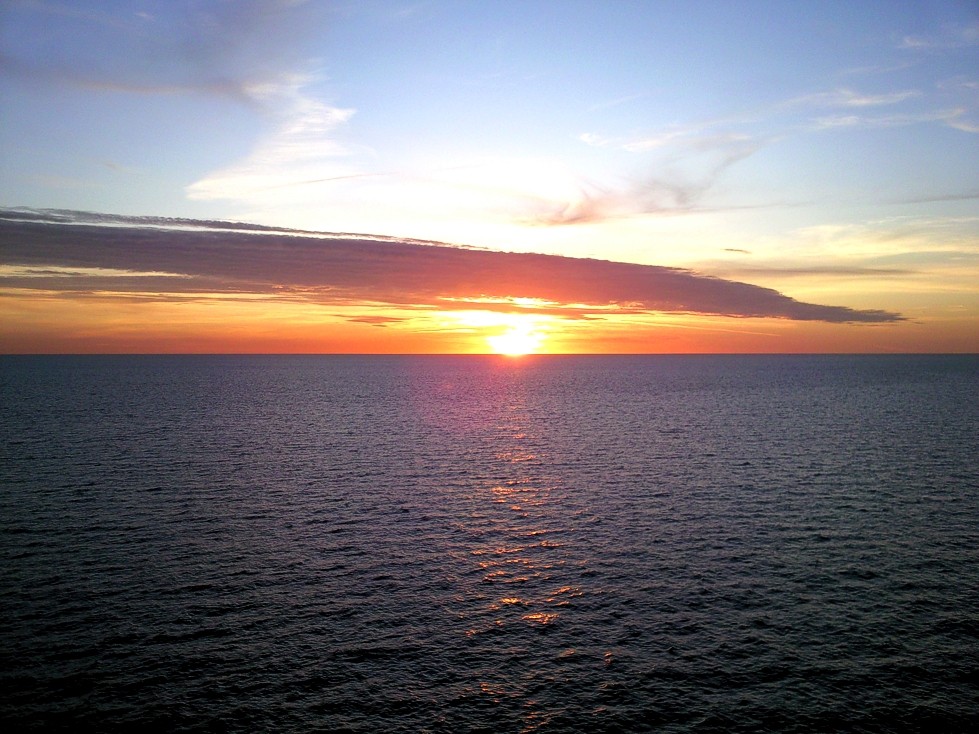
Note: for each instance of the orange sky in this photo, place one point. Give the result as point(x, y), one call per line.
point(699, 181)
point(77, 283)
point(63, 325)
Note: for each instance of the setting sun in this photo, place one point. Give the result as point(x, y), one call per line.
point(516, 341)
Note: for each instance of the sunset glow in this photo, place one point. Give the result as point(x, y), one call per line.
point(465, 365)
point(455, 177)
point(516, 341)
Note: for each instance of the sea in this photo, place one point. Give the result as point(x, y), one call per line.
point(489, 544)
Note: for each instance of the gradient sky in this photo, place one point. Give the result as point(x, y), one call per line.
point(768, 176)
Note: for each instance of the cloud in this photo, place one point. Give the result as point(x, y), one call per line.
point(687, 161)
point(854, 107)
point(857, 108)
point(594, 140)
point(302, 149)
point(659, 140)
point(93, 80)
point(921, 251)
point(352, 269)
point(841, 271)
point(607, 104)
point(949, 117)
point(381, 321)
point(927, 199)
point(849, 98)
point(951, 37)
point(227, 49)
point(965, 126)
point(874, 69)
point(679, 181)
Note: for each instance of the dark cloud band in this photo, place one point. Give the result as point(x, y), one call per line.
point(336, 269)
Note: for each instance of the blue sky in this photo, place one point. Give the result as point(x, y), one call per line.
point(829, 150)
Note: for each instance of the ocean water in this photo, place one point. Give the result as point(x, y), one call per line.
point(483, 544)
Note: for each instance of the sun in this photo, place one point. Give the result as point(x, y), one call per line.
point(516, 341)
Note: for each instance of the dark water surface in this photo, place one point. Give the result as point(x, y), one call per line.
point(461, 544)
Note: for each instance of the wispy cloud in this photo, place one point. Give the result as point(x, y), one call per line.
point(946, 245)
point(960, 83)
point(303, 148)
point(63, 10)
point(687, 161)
point(678, 181)
point(958, 122)
point(335, 269)
point(833, 271)
point(857, 106)
point(250, 51)
point(951, 117)
point(874, 69)
point(660, 140)
point(373, 320)
point(951, 37)
point(608, 104)
point(850, 98)
point(913, 253)
point(954, 196)
point(216, 49)
point(595, 140)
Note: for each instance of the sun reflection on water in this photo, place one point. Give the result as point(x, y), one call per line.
point(525, 550)
point(517, 571)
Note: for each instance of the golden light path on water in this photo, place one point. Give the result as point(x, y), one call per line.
point(520, 548)
point(466, 543)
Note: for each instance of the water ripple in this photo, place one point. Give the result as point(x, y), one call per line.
point(468, 544)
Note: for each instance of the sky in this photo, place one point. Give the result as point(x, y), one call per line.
point(449, 176)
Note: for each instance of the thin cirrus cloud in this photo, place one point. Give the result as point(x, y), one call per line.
point(250, 261)
point(849, 98)
point(234, 50)
point(698, 136)
point(240, 90)
point(254, 52)
point(679, 183)
point(952, 37)
point(691, 159)
point(303, 148)
point(951, 117)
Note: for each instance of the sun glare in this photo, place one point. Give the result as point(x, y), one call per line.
point(515, 341)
